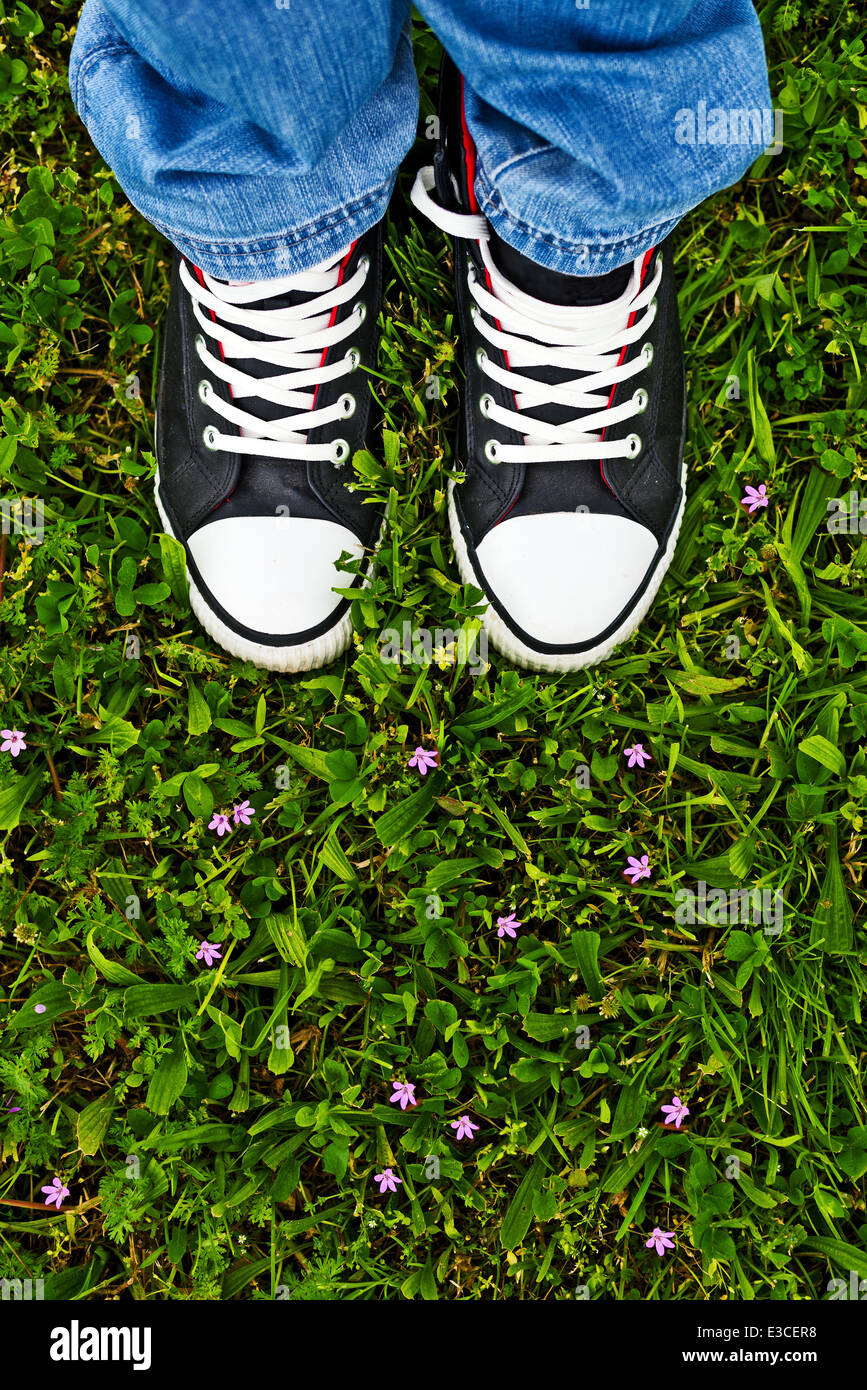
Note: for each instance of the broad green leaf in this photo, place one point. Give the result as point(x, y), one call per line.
point(440, 1013)
point(335, 1157)
point(761, 424)
point(176, 1246)
point(55, 999)
point(845, 1256)
point(520, 1214)
point(198, 796)
point(151, 594)
point(286, 1178)
point(92, 1123)
point(15, 796)
point(281, 1056)
point(832, 922)
point(235, 728)
point(112, 970)
point(333, 684)
point(623, 1172)
point(760, 1196)
point(261, 711)
point(491, 714)
point(631, 1106)
point(230, 1029)
point(198, 712)
point(741, 856)
point(169, 1079)
point(545, 1205)
point(310, 759)
point(821, 751)
point(546, 1027)
point(287, 937)
point(311, 988)
point(334, 858)
point(143, 1001)
point(402, 819)
point(427, 1286)
point(448, 871)
point(63, 678)
point(174, 565)
point(698, 683)
point(213, 1133)
point(341, 765)
point(853, 1161)
point(585, 945)
point(813, 508)
point(505, 824)
point(118, 733)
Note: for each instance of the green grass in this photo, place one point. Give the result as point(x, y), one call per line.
point(219, 1128)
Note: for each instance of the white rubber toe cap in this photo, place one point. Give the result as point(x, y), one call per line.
point(275, 575)
point(563, 577)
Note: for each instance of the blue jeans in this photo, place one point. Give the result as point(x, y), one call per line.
point(262, 136)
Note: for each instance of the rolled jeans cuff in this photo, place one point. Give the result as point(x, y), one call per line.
point(555, 253)
point(286, 253)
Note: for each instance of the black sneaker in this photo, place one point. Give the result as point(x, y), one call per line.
point(262, 403)
point(572, 429)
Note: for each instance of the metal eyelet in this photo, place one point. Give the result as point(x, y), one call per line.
point(647, 353)
point(475, 313)
point(204, 392)
point(199, 342)
point(492, 451)
point(339, 452)
point(364, 264)
point(347, 405)
point(353, 357)
point(362, 313)
point(640, 400)
point(209, 437)
point(654, 303)
point(634, 445)
point(485, 404)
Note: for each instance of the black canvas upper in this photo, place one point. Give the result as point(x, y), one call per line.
point(199, 485)
point(646, 489)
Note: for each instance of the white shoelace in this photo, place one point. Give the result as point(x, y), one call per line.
point(301, 334)
point(587, 339)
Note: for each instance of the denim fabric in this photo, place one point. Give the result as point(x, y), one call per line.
point(263, 137)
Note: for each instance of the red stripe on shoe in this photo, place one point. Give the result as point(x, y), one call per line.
point(644, 264)
point(333, 318)
point(214, 320)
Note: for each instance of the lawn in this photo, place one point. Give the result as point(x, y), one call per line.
point(218, 1120)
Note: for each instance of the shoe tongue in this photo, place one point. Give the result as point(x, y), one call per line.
point(554, 286)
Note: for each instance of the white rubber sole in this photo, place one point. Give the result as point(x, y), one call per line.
point(510, 645)
point(300, 656)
